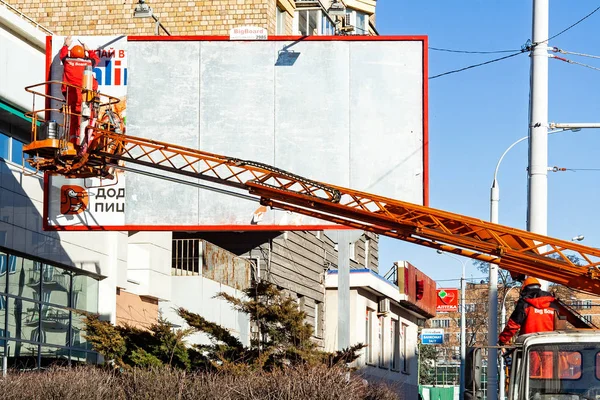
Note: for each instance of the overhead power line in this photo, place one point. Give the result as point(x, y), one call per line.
point(477, 65)
point(524, 49)
point(472, 52)
point(576, 63)
point(569, 27)
point(559, 50)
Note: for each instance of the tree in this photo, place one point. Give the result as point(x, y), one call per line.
point(283, 336)
point(428, 356)
point(105, 338)
point(129, 346)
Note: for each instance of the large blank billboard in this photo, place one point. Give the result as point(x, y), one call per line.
point(351, 111)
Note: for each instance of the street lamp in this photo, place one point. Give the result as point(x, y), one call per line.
point(492, 371)
point(463, 326)
point(143, 10)
point(502, 325)
point(578, 238)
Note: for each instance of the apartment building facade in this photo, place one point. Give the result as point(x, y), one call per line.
point(129, 277)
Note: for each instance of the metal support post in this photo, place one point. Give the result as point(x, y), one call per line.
point(537, 205)
point(343, 243)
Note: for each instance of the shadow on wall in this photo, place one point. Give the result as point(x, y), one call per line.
point(21, 216)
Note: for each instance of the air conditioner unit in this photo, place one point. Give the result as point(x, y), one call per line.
point(384, 306)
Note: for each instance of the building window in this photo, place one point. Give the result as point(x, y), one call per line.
point(318, 315)
point(369, 337)
point(280, 29)
point(4, 146)
point(404, 344)
point(394, 345)
point(11, 150)
point(383, 363)
point(359, 20)
point(582, 304)
point(310, 22)
point(470, 307)
point(440, 323)
point(352, 251)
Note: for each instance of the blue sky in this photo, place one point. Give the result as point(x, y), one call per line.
point(476, 114)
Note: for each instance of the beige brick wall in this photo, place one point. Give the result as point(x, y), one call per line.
point(112, 17)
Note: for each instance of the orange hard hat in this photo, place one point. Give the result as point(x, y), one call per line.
point(529, 281)
point(77, 52)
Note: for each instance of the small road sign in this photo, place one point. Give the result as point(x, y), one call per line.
point(432, 336)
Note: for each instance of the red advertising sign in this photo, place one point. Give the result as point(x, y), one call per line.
point(447, 300)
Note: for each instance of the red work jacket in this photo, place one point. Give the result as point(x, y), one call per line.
point(534, 312)
point(74, 67)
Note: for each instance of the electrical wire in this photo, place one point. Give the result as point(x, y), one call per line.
point(558, 50)
point(582, 169)
point(526, 48)
point(575, 62)
point(568, 28)
point(472, 52)
point(477, 65)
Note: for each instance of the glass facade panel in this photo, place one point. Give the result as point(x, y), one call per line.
point(3, 271)
point(22, 355)
point(4, 146)
point(78, 333)
point(23, 319)
point(53, 356)
point(36, 312)
point(55, 325)
point(17, 152)
point(85, 293)
point(56, 283)
point(22, 278)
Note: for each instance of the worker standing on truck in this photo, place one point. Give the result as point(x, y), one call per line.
point(75, 59)
point(534, 312)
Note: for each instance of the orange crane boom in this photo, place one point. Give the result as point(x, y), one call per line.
point(518, 251)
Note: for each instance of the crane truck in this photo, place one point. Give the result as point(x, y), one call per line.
point(571, 357)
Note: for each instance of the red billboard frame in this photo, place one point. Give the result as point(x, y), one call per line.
point(425, 107)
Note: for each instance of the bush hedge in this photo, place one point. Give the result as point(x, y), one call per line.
point(288, 383)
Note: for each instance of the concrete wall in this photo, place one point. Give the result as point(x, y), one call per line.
point(22, 60)
point(295, 261)
point(196, 294)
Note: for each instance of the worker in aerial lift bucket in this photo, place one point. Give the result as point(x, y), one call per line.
point(75, 60)
point(535, 312)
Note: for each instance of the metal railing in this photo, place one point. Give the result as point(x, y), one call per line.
point(187, 256)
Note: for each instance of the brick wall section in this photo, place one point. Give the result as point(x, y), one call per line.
point(111, 17)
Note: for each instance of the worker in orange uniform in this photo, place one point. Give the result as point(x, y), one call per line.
point(74, 60)
point(534, 312)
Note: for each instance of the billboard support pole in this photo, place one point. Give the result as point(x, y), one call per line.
point(343, 289)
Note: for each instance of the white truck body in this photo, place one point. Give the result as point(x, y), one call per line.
point(558, 365)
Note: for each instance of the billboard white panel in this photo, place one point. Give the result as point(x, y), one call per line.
point(350, 111)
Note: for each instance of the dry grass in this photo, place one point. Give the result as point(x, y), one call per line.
point(89, 383)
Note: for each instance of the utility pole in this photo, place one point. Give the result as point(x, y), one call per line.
point(537, 205)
